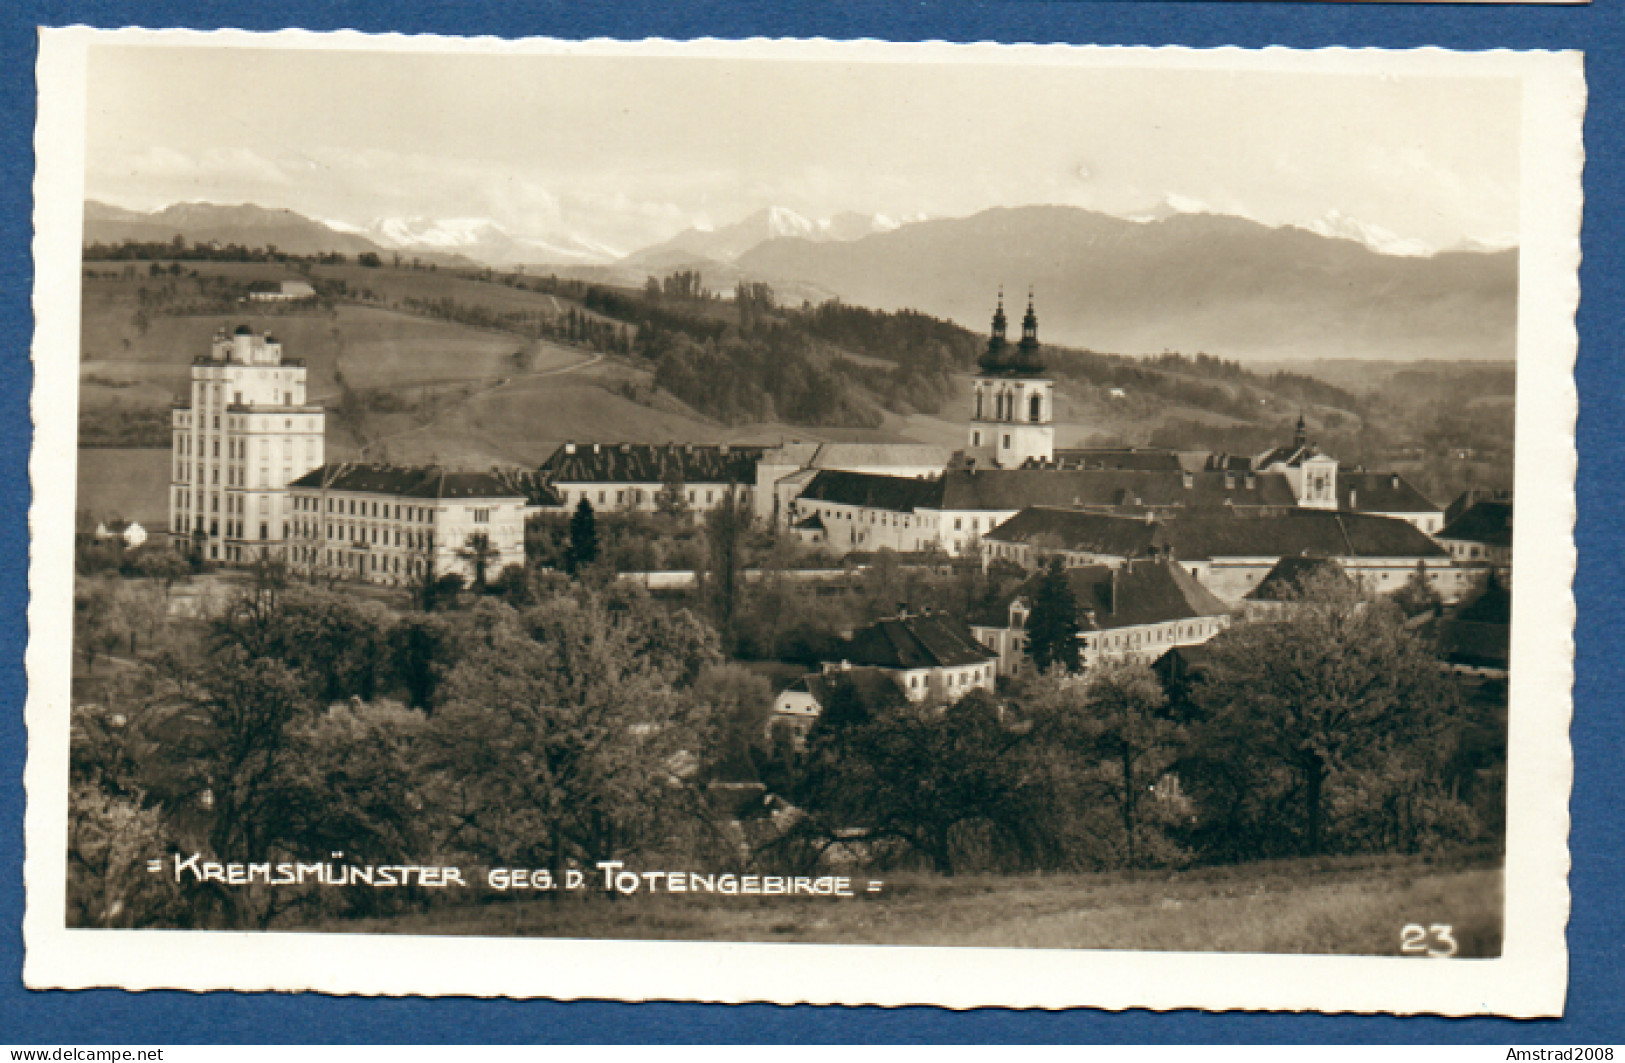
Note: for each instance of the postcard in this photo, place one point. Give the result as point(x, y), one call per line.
point(847, 522)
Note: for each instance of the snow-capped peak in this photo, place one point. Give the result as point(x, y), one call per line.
point(1169, 205)
point(1339, 226)
point(484, 240)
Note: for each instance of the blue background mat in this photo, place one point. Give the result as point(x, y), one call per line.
point(1596, 1004)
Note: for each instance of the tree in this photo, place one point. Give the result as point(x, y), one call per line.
point(554, 742)
point(1417, 596)
point(1052, 626)
point(583, 549)
point(98, 624)
point(739, 703)
point(1114, 727)
point(1339, 686)
point(672, 499)
point(727, 540)
point(943, 784)
point(163, 567)
point(478, 551)
point(335, 643)
point(418, 645)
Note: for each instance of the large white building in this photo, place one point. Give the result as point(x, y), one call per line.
point(246, 433)
point(388, 523)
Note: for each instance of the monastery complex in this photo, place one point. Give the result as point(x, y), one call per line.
point(250, 478)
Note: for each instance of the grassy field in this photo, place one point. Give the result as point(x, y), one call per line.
point(125, 484)
point(1286, 907)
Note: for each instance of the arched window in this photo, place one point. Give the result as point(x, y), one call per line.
point(978, 404)
point(1036, 408)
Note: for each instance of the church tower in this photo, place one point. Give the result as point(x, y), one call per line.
point(1013, 400)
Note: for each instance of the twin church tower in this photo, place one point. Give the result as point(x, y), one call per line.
point(1013, 404)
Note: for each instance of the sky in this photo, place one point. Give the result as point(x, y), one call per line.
point(626, 151)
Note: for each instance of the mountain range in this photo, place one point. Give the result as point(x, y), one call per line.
point(243, 224)
point(1186, 282)
point(729, 242)
point(1172, 279)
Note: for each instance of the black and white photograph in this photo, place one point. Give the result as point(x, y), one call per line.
point(1048, 511)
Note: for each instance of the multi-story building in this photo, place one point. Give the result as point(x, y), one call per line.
point(244, 435)
point(391, 524)
point(1138, 609)
point(633, 476)
point(930, 655)
point(1481, 536)
point(1230, 551)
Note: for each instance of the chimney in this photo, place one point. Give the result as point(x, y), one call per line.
point(1354, 498)
point(569, 446)
point(626, 448)
point(902, 610)
point(595, 448)
point(1189, 479)
point(1394, 481)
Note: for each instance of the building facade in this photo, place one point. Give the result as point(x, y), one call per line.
point(393, 524)
point(931, 656)
point(244, 435)
point(1232, 552)
point(1139, 609)
point(633, 476)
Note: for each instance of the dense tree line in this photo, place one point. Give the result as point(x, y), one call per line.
point(179, 250)
point(561, 721)
point(1334, 730)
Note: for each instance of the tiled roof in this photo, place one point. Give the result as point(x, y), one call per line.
point(1074, 529)
point(537, 491)
point(1141, 458)
point(923, 641)
point(648, 463)
point(1282, 581)
point(900, 494)
point(1301, 532)
point(1488, 522)
point(1011, 489)
point(1130, 595)
point(1380, 492)
point(1183, 662)
point(405, 481)
point(873, 684)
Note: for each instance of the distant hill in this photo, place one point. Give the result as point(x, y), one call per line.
point(243, 224)
point(1185, 282)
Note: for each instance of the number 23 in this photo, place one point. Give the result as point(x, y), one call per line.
point(1435, 940)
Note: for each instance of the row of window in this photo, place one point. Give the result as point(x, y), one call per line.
point(234, 503)
point(957, 680)
point(234, 530)
point(361, 562)
point(412, 514)
point(360, 533)
point(638, 496)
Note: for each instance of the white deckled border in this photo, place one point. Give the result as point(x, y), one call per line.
point(1528, 980)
